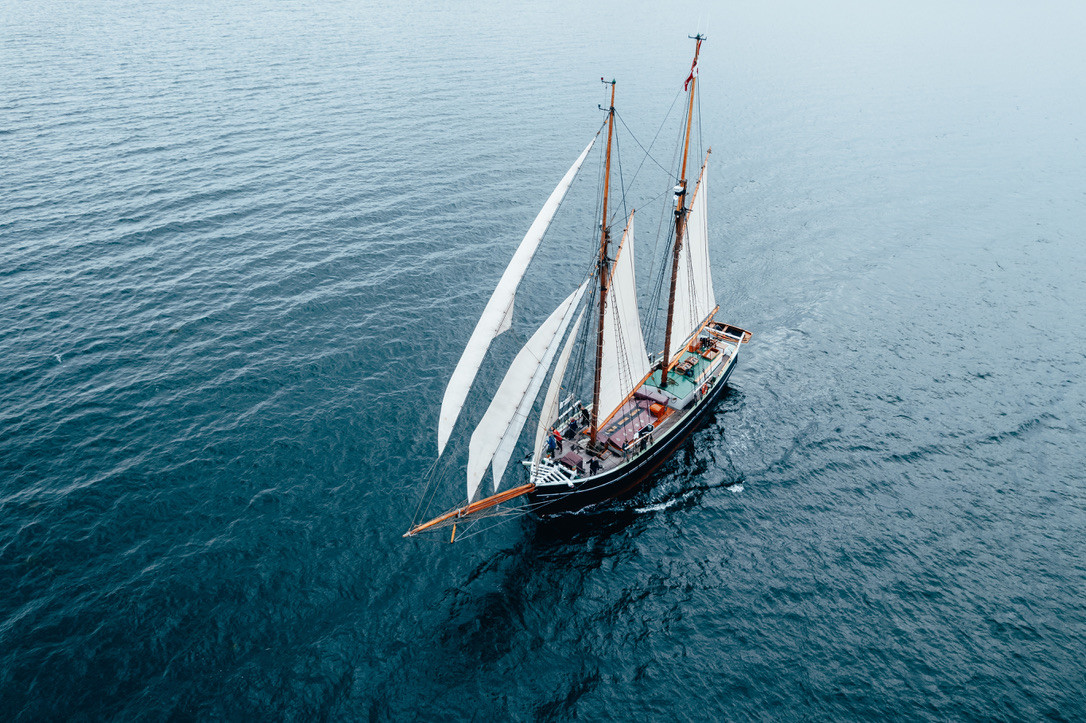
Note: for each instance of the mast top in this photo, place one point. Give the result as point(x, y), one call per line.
point(611, 83)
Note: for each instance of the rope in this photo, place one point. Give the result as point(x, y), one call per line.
point(648, 155)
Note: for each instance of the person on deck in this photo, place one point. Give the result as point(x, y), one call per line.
point(584, 413)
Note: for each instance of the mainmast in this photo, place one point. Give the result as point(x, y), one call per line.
point(605, 276)
point(680, 213)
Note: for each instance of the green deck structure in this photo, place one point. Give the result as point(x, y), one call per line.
point(680, 385)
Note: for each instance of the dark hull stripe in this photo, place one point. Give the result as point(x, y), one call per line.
point(557, 499)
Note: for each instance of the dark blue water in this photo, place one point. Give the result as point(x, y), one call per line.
point(242, 246)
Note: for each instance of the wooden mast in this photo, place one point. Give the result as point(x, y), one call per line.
point(605, 280)
point(680, 217)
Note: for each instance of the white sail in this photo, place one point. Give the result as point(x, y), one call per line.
point(498, 314)
point(694, 296)
point(498, 430)
point(625, 361)
point(554, 391)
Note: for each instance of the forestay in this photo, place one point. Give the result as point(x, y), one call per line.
point(625, 361)
point(496, 436)
point(498, 313)
point(694, 297)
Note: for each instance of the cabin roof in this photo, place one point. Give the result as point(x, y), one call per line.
point(680, 385)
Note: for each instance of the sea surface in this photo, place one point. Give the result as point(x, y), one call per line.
point(243, 244)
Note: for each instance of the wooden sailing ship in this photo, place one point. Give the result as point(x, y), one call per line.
point(588, 449)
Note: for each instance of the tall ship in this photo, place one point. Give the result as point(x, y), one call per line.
point(612, 414)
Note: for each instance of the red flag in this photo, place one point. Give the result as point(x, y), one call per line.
point(693, 66)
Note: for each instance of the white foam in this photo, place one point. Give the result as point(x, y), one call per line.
point(656, 508)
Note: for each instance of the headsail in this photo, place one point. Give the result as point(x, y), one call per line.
point(498, 313)
point(625, 361)
point(498, 430)
point(550, 402)
point(694, 296)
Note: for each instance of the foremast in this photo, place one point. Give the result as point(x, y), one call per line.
point(681, 211)
point(602, 271)
point(482, 506)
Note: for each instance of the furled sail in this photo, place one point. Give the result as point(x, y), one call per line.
point(625, 361)
point(694, 297)
point(498, 313)
point(496, 436)
point(554, 391)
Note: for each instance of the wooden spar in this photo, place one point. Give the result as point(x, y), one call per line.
point(460, 512)
point(680, 219)
point(692, 337)
point(605, 278)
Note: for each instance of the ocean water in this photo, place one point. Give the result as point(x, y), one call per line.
point(242, 246)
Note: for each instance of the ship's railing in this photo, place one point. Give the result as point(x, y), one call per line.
point(549, 472)
point(567, 410)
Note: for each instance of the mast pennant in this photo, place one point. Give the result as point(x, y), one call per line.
point(498, 313)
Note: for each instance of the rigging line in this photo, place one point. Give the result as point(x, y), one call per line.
point(600, 172)
point(660, 281)
point(659, 234)
point(581, 334)
point(499, 511)
point(701, 143)
point(428, 477)
point(660, 128)
point(424, 503)
point(433, 539)
point(621, 182)
point(658, 275)
point(665, 215)
point(656, 279)
point(602, 166)
point(505, 517)
point(647, 200)
point(672, 238)
point(431, 477)
point(581, 347)
point(625, 375)
point(469, 522)
point(647, 154)
point(598, 212)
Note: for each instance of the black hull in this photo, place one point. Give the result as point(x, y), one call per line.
point(561, 499)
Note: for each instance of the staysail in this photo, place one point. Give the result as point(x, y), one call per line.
point(550, 402)
point(496, 436)
point(499, 310)
point(694, 296)
point(625, 361)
